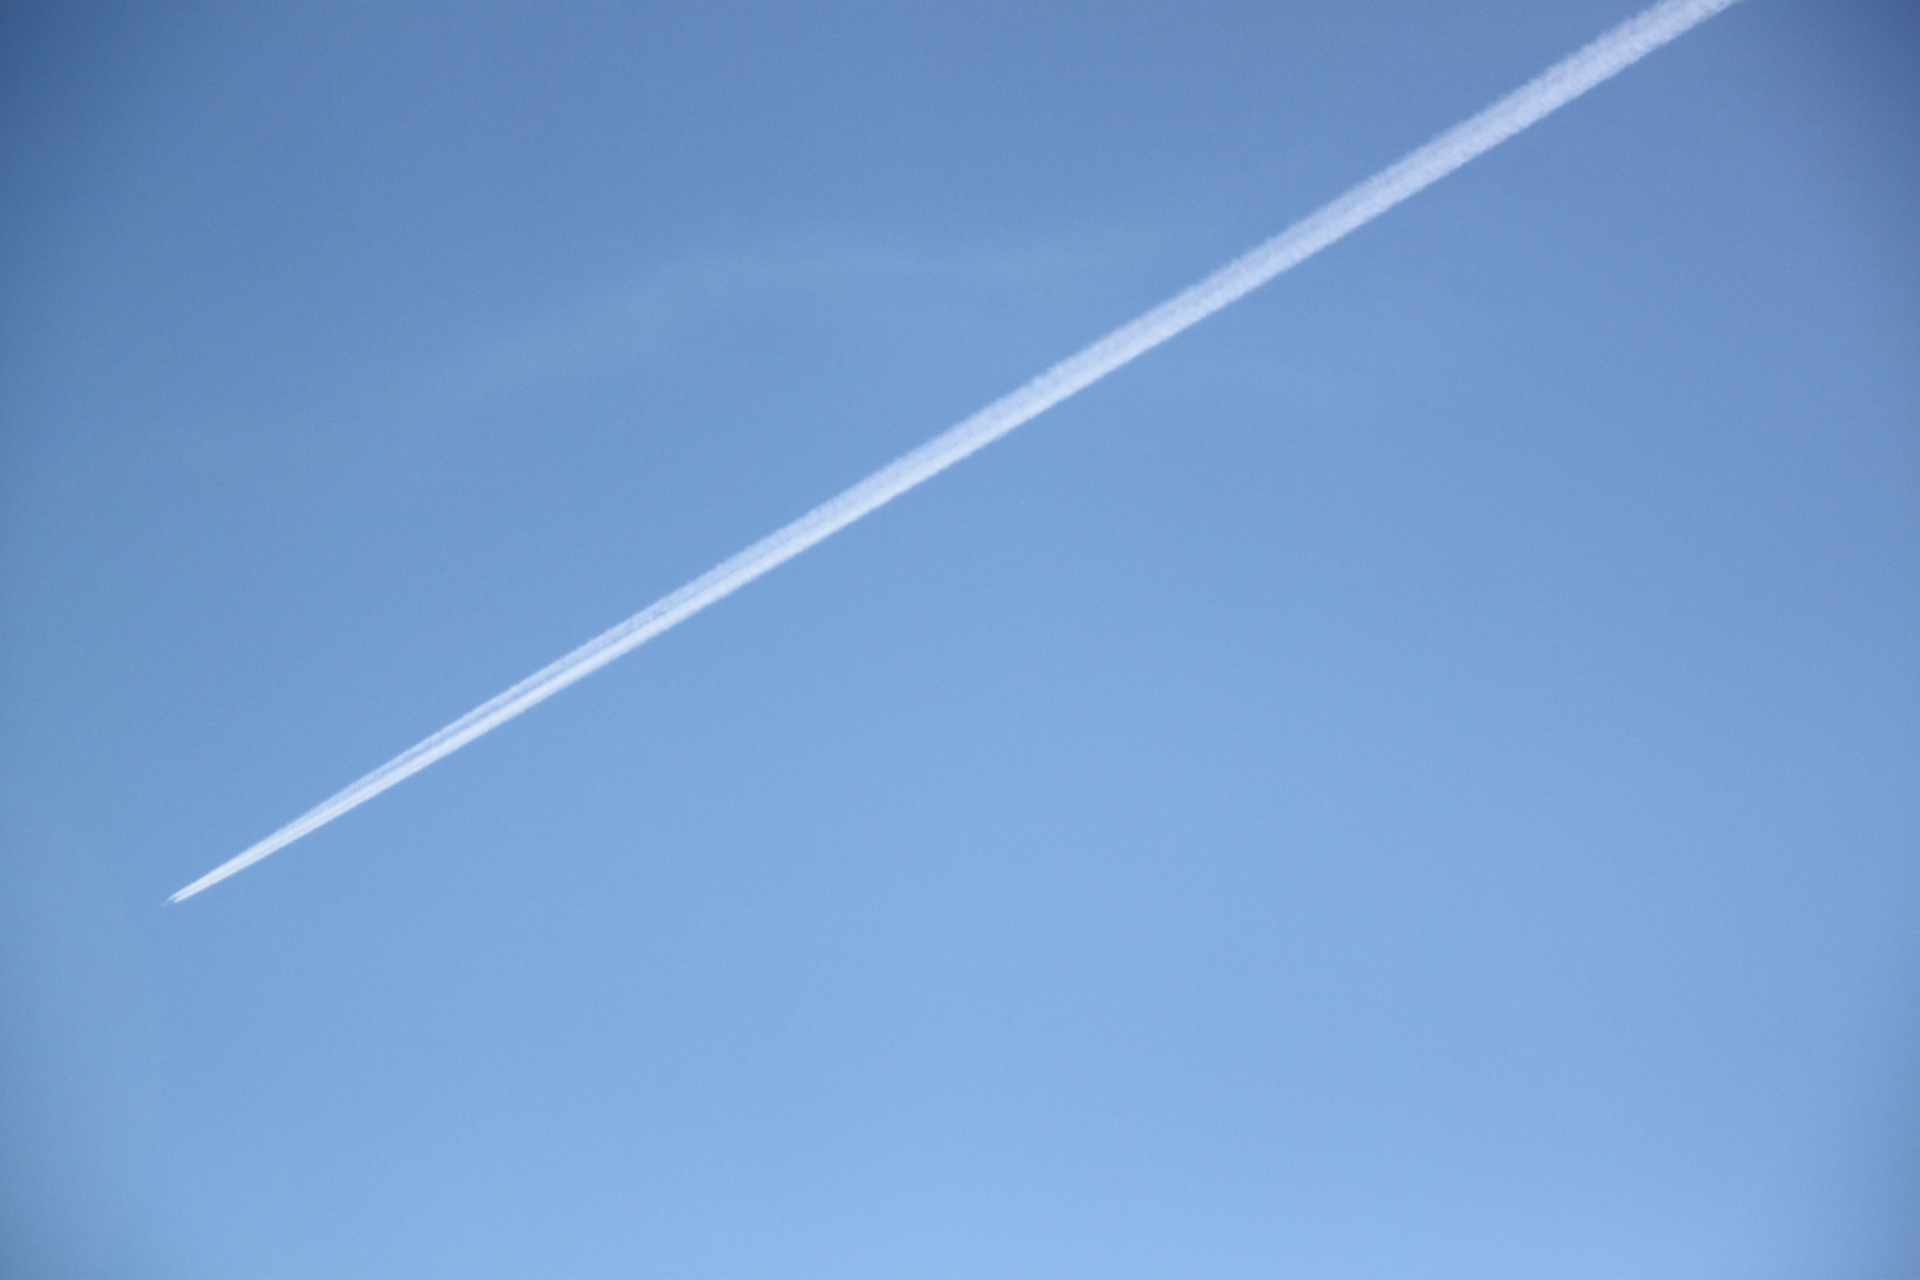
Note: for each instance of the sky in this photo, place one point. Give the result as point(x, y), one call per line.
point(1417, 776)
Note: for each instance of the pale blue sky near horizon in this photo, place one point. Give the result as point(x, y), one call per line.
point(1417, 777)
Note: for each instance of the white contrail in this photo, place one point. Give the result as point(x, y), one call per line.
point(1618, 49)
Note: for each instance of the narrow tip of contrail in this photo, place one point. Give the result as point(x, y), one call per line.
point(1560, 84)
point(204, 882)
point(284, 836)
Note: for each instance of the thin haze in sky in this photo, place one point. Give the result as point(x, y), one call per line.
point(1611, 53)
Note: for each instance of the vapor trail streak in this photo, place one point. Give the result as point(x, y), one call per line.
point(1613, 52)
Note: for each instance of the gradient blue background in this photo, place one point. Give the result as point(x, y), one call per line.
point(1415, 778)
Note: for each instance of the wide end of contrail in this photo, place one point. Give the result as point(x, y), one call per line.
point(1613, 52)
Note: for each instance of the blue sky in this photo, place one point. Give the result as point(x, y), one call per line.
point(1414, 777)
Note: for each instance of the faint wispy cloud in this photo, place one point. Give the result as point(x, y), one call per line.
point(624, 326)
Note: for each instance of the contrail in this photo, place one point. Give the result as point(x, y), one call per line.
point(1612, 52)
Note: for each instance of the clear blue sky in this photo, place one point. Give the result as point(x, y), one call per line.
point(1415, 778)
